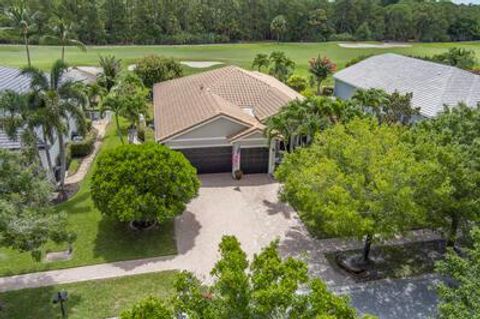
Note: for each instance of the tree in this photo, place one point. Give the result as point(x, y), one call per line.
point(297, 82)
point(128, 98)
point(59, 99)
point(355, 180)
point(27, 220)
point(153, 69)
point(23, 21)
point(449, 142)
point(278, 27)
point(461, 298)
point(304, 118)
point(265, 288)
point(261, 61)
point(387, 108)
point(321, 68)
point(150, 307)
point(459, 57)
point(363, 32)
point(61, 33)
point(20, 121)
point(281, 66)
point(111, 68)
point(143, 184)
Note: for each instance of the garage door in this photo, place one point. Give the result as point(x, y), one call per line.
point(210, 159)
point(254, 160)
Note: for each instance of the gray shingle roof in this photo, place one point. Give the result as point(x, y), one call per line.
point(6, 143)
point(11, 79)
point(433, 85)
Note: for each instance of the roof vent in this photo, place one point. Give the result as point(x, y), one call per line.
point(201, 87)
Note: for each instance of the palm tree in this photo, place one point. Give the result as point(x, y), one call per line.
point(278, 26)
point(62, 34)
point(321, 68)
point(19, 120)
point(59, 100)
point(111, 69)
point(280, 65)
point(371, 100)
point(22, 20)
point(261, 60)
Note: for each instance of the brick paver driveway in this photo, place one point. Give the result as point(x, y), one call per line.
point(248, 209)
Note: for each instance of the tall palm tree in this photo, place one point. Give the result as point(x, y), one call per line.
point(22, 20)
point(59, 99)
point(61, 33)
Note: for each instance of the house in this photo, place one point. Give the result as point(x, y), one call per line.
point(433, 85)
point(12, 79)
point(216, 118)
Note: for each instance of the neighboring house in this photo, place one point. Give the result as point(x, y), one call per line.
point(12, 79)
point(216, 118)
point(433, 85)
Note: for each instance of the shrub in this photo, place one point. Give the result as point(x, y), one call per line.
point(154, 69)
point(357, 59)
point(84, 147)
point(143, 183)
point(151, 308)
point(342, 37)
point(297, 82)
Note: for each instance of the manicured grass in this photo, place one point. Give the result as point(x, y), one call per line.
point(92, 299)
point(238, 54)
point(74, 166)
point(396, 261)
point(99, 239)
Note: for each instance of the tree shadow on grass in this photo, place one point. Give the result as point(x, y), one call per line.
point(35, 303)
point(78, 204)
point(115, 241)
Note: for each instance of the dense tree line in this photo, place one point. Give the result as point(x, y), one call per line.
point(209, 21)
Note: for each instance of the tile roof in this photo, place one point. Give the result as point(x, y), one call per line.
point(433, 85)
point(186, 102)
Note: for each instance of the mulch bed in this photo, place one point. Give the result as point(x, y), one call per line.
point(395, 261)
point(70, 190)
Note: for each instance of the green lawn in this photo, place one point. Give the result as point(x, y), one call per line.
point(238, 54)
point(98, 299)
point(99, 239)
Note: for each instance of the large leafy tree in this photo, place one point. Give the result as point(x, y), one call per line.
point(154, 69)
point(268, 287)
point(451, 142)
point(23, 20)
point(460, 298)
point(320, 68)
point(27, 220)
point(62, 33)
point(281, 66)
point(143, 183)
point(59, 100)
point(355, 180)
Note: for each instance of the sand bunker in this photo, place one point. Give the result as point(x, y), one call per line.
point(200, 64)
point(374, 46)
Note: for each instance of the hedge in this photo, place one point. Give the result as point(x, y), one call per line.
point(84, 147)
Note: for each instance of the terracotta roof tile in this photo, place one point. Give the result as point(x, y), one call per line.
point(183, 103)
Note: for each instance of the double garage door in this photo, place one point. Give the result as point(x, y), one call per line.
point(219, 159)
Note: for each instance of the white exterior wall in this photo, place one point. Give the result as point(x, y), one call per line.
point(343, 90)
point(212, 134)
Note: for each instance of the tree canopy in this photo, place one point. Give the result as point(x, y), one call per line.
point(267, 287)
point(355, 180)
point(212, 21)
point(143, 183)
point(27, 219)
